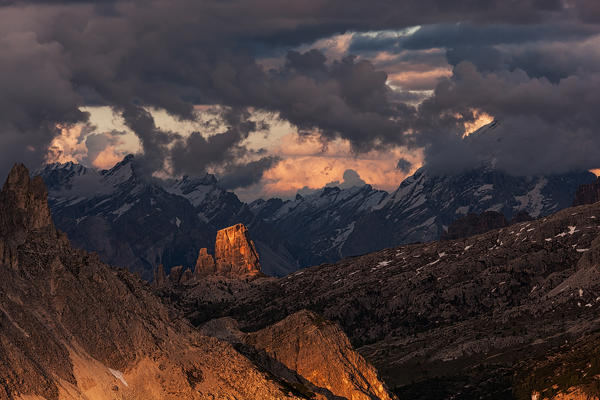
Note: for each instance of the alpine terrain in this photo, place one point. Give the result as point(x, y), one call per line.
point(139, 222)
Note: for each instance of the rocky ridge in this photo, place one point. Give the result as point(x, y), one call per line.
point(73, 327)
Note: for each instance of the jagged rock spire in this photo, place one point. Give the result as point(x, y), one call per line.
point(24, 203)
point(205, 264)
point(235, 252)
point(23, 209)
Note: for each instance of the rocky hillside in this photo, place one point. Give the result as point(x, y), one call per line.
point(441, 319)
point(74, 328)
point(308, 352)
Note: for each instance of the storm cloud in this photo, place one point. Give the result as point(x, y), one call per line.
point(57, 56)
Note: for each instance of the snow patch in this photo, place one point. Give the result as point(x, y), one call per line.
point(123, 209)
point(119, 376)
point(532, 201)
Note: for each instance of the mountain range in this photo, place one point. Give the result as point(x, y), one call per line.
point(506, 314)
point(140, 222)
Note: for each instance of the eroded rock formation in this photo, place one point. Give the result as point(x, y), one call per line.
point(205, 264)
point(235, 255)
point(235, 252)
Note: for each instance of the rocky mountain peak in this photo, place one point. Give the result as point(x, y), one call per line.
point(24, 202)
point(235, 252)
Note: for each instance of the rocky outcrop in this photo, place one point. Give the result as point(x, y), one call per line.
point(236, 257)
point(474, 224)
point(235, 252)
point(205, 264)
point(321, 354)
point(24, 209)
point(587, 194)
point(310, 353)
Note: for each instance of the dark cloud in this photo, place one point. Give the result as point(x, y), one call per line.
point(543, 126)
point(404, 165)
point(56, 56)
point(247, 174)
point(194, 154)
point(351, 178)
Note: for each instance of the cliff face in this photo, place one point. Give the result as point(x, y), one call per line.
point(235, 253)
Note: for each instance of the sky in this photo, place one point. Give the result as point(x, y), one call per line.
point(275, 97)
